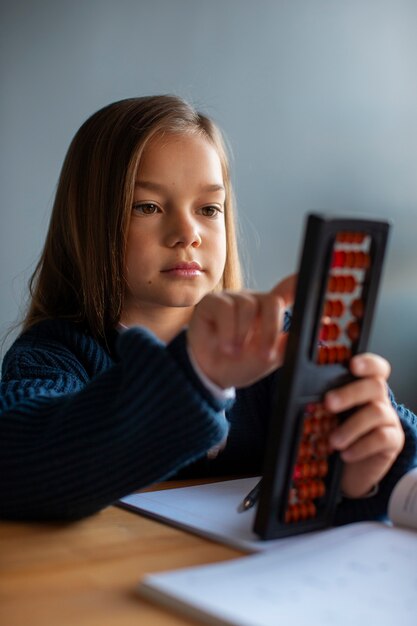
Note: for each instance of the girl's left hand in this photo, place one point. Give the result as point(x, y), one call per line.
point(370, 440)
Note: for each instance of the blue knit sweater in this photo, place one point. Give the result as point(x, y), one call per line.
point(84, 423)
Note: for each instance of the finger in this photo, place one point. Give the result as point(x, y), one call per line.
point(271, 316)
point(219, 313)
point(246, 310)
point(353, 394)
point(368, 364)
point(362, 422)
point(358, 478)
point(385, 442)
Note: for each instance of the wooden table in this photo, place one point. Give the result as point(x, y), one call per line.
point(86, 573)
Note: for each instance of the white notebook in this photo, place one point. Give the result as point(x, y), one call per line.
point(209, 510)
point(356, 575)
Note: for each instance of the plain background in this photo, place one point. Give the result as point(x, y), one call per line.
point(318, 99)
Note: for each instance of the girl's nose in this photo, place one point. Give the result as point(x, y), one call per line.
point(183, 232)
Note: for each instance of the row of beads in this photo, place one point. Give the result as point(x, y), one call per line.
point(342, 283)
point(337, 308)
point(351, 258)
point(346, 236)
point(320, 446)
point(312, 463)
point(327, 355)
point(311, 469)
point(330, 331)
point(300, 512)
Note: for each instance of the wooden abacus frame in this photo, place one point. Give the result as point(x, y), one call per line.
point(312, 366)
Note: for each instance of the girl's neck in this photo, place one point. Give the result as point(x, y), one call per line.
point(165, 323)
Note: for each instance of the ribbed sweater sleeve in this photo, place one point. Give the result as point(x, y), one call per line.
point(72, 443)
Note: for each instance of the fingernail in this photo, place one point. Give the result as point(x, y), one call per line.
point(332, 401)
point(359, 365)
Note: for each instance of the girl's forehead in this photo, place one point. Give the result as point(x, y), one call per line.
point(174, 153)
point(188, 141)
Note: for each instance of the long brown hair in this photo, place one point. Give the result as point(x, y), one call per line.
point(80, 274)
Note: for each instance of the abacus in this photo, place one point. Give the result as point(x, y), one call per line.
point(337, 285)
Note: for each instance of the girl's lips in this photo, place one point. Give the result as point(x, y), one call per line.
point(187, 270)
point(184, 270)
point(184, 266)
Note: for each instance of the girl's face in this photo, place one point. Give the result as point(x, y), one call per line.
point(176, 248)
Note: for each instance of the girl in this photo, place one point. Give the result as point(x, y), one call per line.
point(137, 334)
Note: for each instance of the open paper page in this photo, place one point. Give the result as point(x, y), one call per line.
point(402, 508)
point(209, 510)
point(359, 574)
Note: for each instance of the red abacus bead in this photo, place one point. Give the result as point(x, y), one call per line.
point(322, 355)
point(297, 472)
point(328, 308)
point(314, 469)
point(303, 510)
point(358, 237)
point(312, 509)
point(360, 259)
point(332, 354)
point(306, 450)
point(340, 284)
point(350, 284)
point(339, 308)
point(303, 491)
point(339, 257)
point(302, 451)
point(323, 468)
point(357, 308)
point(308, 425)
point(332, 284)
point(324, 332)
point(353, 331)
point(313, 489)
point(341, 353)
point(305, 470)
point(321, 488)
point(334, 332)
point(350, 259)
point(294, 513)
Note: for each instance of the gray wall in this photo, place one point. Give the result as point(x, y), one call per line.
point(318, 99)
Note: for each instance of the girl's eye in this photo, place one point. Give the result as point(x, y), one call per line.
point(145, 208)
point(210, 211)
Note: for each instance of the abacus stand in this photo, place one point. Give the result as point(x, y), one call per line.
point(312, 367)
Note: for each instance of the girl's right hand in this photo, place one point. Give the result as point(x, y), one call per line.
point(236, 338)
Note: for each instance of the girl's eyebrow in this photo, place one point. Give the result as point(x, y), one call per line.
point(147, 184)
